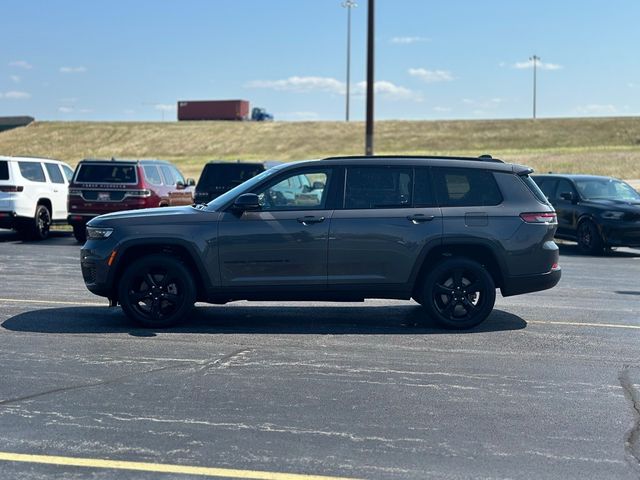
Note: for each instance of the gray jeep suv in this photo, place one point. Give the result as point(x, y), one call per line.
point(444, 231)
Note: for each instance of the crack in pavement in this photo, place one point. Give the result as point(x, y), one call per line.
point(631, 440)
point(196, 366)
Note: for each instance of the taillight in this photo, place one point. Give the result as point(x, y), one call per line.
point(11, 188)
point(540, 217)
point(138, 193)
point(75, 192)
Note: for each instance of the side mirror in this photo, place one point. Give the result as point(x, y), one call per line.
point(318, 186)
point(191, 182)
point(568, 196)
point(247, 202)
point(180, 185)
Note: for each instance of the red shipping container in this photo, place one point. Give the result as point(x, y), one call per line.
point(213, 110)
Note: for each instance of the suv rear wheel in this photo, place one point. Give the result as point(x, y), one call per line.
point(458, 293)
point(157, 291)
point(40, 225)
point(80, 233)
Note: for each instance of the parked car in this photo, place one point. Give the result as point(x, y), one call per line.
point(105, 186)
point(219, 177)
point(597, 212)
point(444, 231)
point(33, 194)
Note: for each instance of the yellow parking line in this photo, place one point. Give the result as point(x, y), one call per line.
point(51, 302)
point(159, 467)
point(582, 324)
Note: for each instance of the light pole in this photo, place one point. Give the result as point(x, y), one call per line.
point(370, 80)
point(535, 60)
point(348, 4)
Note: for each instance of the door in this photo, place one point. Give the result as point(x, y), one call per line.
point(58, 191)
point(566, 209)
point(388, 215)
point(285, 242)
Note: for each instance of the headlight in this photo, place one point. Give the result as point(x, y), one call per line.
point(97, 233)
point(612, 215)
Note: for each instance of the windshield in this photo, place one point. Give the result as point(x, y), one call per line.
point(603, 188)
point(245, 187)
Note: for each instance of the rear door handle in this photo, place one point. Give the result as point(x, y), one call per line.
point(308, 220)
point(420, 218)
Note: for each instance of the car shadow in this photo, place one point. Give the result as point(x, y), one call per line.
point(56, 237)
point(323, 320)
point(572, 250)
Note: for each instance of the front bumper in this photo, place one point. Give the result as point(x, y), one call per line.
point(530, 283)
point(95, 268)
point(621, 234)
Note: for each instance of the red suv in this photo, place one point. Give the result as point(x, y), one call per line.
point(105, 186)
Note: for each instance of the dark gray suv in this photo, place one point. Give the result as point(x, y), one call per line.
point(444, 231)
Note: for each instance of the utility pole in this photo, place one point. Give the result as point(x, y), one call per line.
point(348, 4)
point(535, 59)
point(370, 79)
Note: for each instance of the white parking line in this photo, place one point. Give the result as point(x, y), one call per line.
point(51, 302)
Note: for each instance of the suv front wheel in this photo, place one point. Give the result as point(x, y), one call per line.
point(458, 293)
point(157, 291)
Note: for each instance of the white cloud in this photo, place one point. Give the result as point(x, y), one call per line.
point(483, 104)
point(165, 107)
point(597, 109)
point(15, 78)
point(301, 84)
point(69, 100)
point(441, 109)
point(431, 76)
point(409, 40)
point(66, 109)
point(128, 111)
point(21, 64)
point(388, 91)
point(633, 85)
point(15, 95)
point(540, 65)
point(73, 69)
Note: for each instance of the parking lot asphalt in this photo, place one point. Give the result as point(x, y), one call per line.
point(547, 387)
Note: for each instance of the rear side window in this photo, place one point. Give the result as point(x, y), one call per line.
point(423, 195)
point(378, 187)
point(4, 170)
point(32, 171)
point(466, 187)
point(54, 173)
point(227, 175)
point(152, 175)
point(106, 173)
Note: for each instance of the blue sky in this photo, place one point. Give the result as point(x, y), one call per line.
point(455, 59)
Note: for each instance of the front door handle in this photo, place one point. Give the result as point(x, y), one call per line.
point(420, 218)
point(308, 220)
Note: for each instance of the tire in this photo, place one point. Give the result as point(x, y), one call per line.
point(157, 291)
point(589, 240)
point(80, 233)
point(458, 293)
point(41, 224)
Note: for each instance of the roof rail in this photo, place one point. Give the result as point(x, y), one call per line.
point(481, 158)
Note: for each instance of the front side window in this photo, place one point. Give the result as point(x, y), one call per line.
point(564, 186)
point(32, 171)
point(68, 173)
point(54, 173)
point(466, 187)
point(176, 174)
point(167, 175)
point(302, 191)
point(378, 187)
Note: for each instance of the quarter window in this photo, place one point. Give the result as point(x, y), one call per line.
point(152, 174)
point(465, 187)
point(378, 187)
point(32, 171)
point(54, 173)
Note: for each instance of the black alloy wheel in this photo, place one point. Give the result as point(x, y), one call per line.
point(589, 240)
point(157, 291)
point(459, 293)
point(80, 233)
point(41, 223)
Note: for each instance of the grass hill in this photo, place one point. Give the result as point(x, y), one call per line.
point(609, 146)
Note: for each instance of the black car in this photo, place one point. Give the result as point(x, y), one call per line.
point(597, 212)
point(219, 177)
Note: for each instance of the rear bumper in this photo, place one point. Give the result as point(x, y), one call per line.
point(8, 220)
point(530, 283)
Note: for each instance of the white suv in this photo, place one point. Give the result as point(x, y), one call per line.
point(33, 194)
